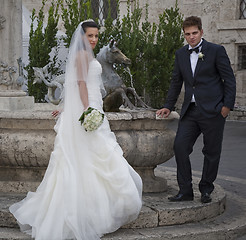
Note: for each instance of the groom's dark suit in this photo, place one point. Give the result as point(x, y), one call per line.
point(213, 85)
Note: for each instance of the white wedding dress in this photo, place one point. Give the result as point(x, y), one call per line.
point(89, 189)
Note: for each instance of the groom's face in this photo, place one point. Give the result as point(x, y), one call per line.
point(193, 35)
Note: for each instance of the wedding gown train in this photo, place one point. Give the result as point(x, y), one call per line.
point(88, 189)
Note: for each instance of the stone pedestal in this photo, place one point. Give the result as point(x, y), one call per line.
point(146, 143)
point(14, 100)
point(10, 42)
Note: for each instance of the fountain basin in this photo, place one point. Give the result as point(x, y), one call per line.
point(27, 139)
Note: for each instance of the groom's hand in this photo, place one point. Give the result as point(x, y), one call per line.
point(225, 111)
point(163, 112)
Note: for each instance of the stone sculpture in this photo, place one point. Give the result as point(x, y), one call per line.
point(117, 92)
point(51, 81)
point(21, 78)
point(7, 74)
point(2, 21)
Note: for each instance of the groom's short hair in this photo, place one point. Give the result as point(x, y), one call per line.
point(192, 21)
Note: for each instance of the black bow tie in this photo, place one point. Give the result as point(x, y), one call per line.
point(196, 49)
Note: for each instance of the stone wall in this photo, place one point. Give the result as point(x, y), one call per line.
point(221, 25)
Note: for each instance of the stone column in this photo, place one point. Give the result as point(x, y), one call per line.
point(11, 95)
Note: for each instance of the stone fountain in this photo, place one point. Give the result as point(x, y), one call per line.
point(26, 128)
point(27, 137)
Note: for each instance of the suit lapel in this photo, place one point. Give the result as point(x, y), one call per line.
point(200, 61)
point(198, 65)
point(188, 64)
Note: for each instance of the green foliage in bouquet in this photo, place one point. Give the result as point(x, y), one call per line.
point(91, 119)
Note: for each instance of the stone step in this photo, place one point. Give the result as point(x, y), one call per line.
point(160, 219)
point(156, 211)
point(229, 225)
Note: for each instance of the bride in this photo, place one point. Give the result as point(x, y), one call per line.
point(88, 189)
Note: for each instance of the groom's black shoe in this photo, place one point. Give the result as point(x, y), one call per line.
point(181, 197)
point(205, 198)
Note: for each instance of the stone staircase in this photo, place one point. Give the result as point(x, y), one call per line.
point(223, 218)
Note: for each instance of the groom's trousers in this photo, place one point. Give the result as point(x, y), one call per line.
point(190, 127)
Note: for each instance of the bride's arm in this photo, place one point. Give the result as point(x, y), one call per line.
point(83, 94)
point(82, 70)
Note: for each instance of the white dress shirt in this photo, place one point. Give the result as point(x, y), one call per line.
point(193, 62)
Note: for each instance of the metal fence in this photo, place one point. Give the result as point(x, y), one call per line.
point(242, 9)
point(101, 8)
point(242, 57)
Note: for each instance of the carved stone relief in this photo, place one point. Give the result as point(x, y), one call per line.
point(21, 78)
point(7, 74)
point(2, 21)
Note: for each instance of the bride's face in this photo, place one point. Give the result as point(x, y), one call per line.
point(92, 36)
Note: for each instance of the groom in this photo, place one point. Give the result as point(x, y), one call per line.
point(210, 89)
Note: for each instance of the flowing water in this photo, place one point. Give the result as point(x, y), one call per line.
point(127, 69)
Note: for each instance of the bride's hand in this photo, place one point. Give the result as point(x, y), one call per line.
point(86, 108)
point(55, 113)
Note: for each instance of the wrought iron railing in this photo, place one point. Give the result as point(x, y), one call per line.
point(242, 9)
point(101, 8)
point(242, 57)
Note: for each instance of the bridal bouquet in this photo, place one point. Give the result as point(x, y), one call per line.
point(91, 119)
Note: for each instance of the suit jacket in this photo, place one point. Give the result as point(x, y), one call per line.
point(213, 83)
